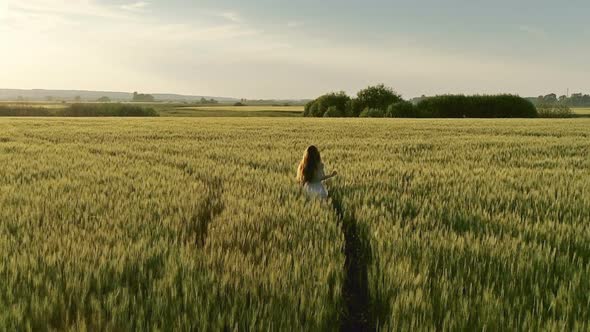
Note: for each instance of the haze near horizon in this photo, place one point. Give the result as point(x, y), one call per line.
point(280, 49)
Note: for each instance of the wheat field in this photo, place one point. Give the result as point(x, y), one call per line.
point(197, 224)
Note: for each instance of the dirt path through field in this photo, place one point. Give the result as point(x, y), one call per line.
point(357, 315)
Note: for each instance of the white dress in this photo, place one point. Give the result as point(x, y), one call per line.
point(315, 187)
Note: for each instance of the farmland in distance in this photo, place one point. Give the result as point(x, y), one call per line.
point(179, 109)
point(234, 111)
point(582, 111)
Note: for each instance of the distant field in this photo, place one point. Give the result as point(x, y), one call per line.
point(247, 108)
point(179, 110)
point(59, 104)
point(233, 111)
point(45, 104)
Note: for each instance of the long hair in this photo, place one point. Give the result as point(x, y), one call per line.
point(308, 165)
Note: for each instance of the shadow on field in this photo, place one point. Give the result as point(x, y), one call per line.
point(196, 229)
point(211, 207)
point(355, 290)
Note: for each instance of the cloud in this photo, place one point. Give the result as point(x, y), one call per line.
point(231, 16)
point(154, 51)
point(191, 33)
point(139, 6)
point(60, 15)
point(533, 31)
point(294, 24)
point(65, 8)
point(23, 19)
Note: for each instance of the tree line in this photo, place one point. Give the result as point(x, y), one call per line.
point(82, 110)
point(381, 101)
point(575, 100)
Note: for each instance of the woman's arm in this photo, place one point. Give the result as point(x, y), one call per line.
point(326, 177)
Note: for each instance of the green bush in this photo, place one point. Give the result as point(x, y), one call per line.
point(555, 111)
point(333, 112)
point(402, 109)
point(373, 97)
point(382, 101)
point(460, 106)
point(307, 108)
point(379, 97)
point(349, 109)
point(372, 113)
point(319, 106)
point(315, 110)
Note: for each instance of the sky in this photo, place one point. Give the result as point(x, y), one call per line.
point(296, 49)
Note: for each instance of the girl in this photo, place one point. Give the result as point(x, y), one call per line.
point(310, 173)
